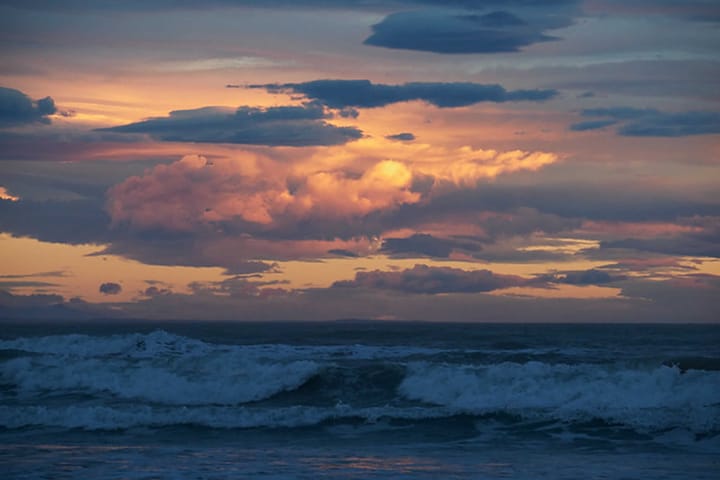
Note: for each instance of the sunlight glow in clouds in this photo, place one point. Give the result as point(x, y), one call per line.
point(251, 188)
point(256, 161)
point(5, 195)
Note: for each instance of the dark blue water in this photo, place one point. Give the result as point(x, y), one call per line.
point(359, 400)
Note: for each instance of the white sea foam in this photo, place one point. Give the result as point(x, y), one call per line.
point(156, 368)
point(652, 399)
point(171, 379)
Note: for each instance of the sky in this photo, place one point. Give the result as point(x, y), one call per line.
point(456, 160)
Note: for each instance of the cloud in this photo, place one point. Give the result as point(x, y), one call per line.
point(635, 122)
point(403, 137)
point(341, 252)
point(339, 94)
point(252, 193)
point(54, 273)
point(241, 287)
point(680, 245)
point(592, 125)
point(294, 126)
point(190, 193)
point(72, 221)
point(5, 195)
point(36, 300)
point(582, 277)
point(232, 210)
point(155, 291)
point(456, 33)
point(17, 109)
point(702, 239)
point(577, 199)
point(432, 280)
point(110, 288)
point(525, 221)
point(426, 245)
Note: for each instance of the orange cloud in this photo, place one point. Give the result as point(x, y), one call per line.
point(462, 166)
point(335, 183)
point(636, 229)
point(5, 195)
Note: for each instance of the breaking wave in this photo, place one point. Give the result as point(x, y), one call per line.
point(161, 379)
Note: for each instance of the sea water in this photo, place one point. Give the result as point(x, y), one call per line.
point(107, 400)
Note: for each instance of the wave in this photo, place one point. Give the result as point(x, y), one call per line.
point(157, 368)
point(160, 379)
point(657, 398)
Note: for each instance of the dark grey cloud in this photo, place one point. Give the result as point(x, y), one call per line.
point(340, 94)
point(10, 284)
point(274, 126)
point(702, 241)
point(110, 288)
point(341, 252)
point(251, 267)
point(581, 277)
point(17, 109)
point(455, 33)
point(592, 125)
point(54, 273)
point(74, 222)
point(403, 137)
point(526, 221)
point(431, 280)
point(155, 291)
point(241, 287)
point(589, 277)
point(636, 122)
point(584, 199)
point(7, 299)
point(678, 245)
point(687, 298)
point(427, 245)
point(664, 78)
point(42, 306)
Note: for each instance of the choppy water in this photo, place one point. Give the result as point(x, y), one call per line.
point(359, 400)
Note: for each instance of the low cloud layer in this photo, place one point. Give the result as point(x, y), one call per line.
point(274, 126)
point(17, 109)
point(637, 122)
point(432, 280)
point(423, 244)
point(341, 94)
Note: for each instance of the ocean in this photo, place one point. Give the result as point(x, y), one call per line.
point(358, 400)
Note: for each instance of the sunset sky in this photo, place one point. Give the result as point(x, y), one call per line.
point(488, 160)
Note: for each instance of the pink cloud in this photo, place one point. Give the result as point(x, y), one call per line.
point(337, 184)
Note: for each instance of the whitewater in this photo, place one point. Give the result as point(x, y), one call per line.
point(359, 400)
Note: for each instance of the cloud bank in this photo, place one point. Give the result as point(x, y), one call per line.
point(638, 122)
point(432, 280)
point(274, 126)
point(252, 193)
point(339, 94)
